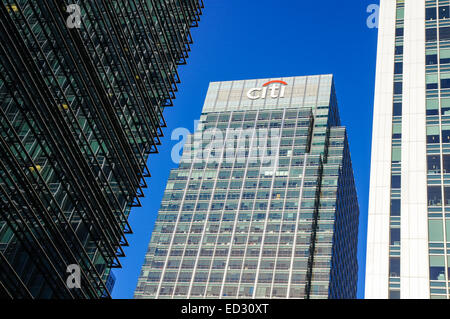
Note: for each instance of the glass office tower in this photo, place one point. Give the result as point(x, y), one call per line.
point(263, 204)
point(80, 111)
point(409, 211)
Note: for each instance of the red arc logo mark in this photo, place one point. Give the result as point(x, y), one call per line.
point(276, 81)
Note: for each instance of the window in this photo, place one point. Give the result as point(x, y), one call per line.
point(237, 117)
point(445, 83)
point(277, 115)
point(434, 164)
point(448, 265)
point(433, 134)
point(434, 196)
point(437, 268)
point(445, 106)
point(395, 236)
point(444, 12)
point(400, 13)
point(394, 267)
point(395, 207)
point(432, 81)
point(447, 196)
point(446, 158)
point(397, 111)
point(398, 69)
point(396, 181)
point(430, 14)
point(444, 33)
point(432, 107)
point(432, 86)
point(394, 294)
point(166, 290)
point(444, 56)
point(397, 130)
point(398, 87)
point(224, 117)
point(435, 230)
point(250, 116)
point(399, 32)
point(446, 133)
point(432, 59)
point(431, 35)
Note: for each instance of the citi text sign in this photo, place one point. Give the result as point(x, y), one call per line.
point(276, 88)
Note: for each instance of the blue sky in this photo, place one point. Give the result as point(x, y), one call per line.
point(249, 39)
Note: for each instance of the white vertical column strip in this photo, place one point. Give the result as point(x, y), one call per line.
point(414, 272)
point(377, 259)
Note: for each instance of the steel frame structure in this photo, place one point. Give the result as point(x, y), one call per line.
point(81, 109)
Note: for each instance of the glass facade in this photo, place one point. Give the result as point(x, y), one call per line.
point(80, 111)
point(438, 144)
point(396, 164)
point(263, 204)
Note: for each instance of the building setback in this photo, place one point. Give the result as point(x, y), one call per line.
point(80, 111)
point(409, 206)
point(263, 204)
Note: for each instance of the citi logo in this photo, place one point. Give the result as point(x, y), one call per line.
point(277, 89)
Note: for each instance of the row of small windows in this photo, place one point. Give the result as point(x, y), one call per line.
point(435, 196)
point(432, 34)
point(432, 13)
point(267, 176)
point(434, 137)
point(444, 58)
point(252, 116)
point(246, 216)
point(233, 291)
point(249, 184)
point(433, 81)
point(243, 228)
point(268, 264)
point(223, 195)
point(434, 164)
point(247, 276)
point(267, 251)
point(284, 251)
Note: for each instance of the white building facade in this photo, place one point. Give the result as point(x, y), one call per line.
point(409, 205)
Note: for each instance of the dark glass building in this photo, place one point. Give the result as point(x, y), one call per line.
point(263, 204)
point(82, 93)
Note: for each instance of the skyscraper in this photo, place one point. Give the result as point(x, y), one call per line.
point(409, 210)
point(263, 204)
point(82, 91)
